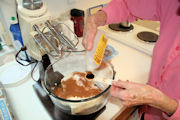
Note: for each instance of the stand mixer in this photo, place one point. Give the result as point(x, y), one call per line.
point(41, 34)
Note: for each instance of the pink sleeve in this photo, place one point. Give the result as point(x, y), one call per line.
point(121, 10)
point(173, 76)
point(176, 115)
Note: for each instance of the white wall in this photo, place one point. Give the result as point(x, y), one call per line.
point(59, 7)
point(7, 10)
point(62, 8)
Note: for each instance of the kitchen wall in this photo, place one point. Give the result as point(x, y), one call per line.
point(154, 25)
point(7, 10)
point(62, 7)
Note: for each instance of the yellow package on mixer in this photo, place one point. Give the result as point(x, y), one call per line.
point(95, 56)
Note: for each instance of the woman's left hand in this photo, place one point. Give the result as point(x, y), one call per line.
point(131, 93)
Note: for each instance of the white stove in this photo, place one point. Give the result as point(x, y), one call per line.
point(130, 38)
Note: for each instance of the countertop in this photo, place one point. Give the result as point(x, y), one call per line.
point(129, 64)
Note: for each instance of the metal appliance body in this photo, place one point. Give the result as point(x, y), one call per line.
point(27, 18)
point(32, 4)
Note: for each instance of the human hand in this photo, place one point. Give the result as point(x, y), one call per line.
point(131, 93)
point(90, 30)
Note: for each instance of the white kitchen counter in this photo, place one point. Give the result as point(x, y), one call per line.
point(129, 65)
point(25, 102)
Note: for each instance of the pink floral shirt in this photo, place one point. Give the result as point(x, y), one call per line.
point(165, 68)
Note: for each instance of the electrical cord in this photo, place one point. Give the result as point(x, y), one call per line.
point(29, 62)
point(33, 72)
point(18, 58)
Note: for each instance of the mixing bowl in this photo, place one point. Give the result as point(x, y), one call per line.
point(76, 62)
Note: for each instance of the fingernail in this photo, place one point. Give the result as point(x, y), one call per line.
point(114, 82)
point(89, 47)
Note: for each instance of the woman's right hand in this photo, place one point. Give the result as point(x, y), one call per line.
point(89, 33)
point(90, 28)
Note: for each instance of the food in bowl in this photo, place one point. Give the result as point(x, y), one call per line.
point(77, 86)
point(71, 103)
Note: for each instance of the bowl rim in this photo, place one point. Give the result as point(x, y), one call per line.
point(82, 100)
